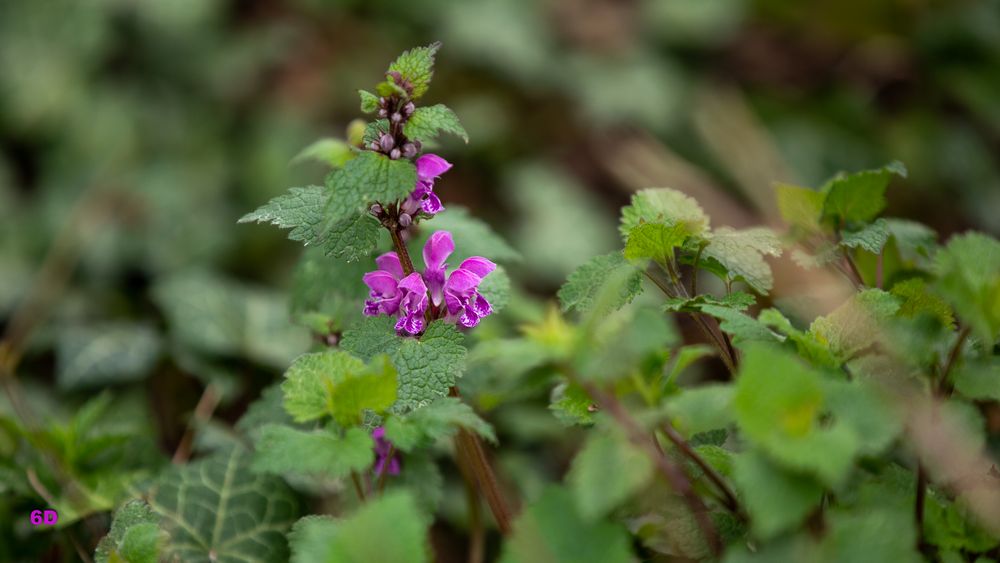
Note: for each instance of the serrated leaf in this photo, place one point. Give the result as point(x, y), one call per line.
point(736, 300)
point(329, 151)
point(428, 367)
point(473, 237)
point(916, 242)
point(741, 255)
point(371, 337)
point(800, 207)
point(310, 378)
point(388, 529)
point(369, 101)
point(325, 294)
point(572, 405)
point(741, 327)
point(778, 405)
point(216, 509)
point(106, 353)
point(552, 531)
point(968, 270)
point(374, 131)
point(439, 419)
point(285, 450)
point(584, 284)
point(655, 241)
point(916, 299)
point(859, 197)
point(701, 409)
point(417, 67)
point(979, 380)
point(370, 177)
point(872, 237)
point(775, 498)
point(496, 288)
point(856, 324)
point(606, 472)
point(861, 407)
point(301, 210)
point(666, 206)
point(118, 546)
point(373, 390)
point(428, 122)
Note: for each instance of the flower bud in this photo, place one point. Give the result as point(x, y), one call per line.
point(408, 109)
point(409, 150)
point(382, 112)
point(394, 154)
point(374, 146)
point(375, 209)
point(386, 142)
point(383, 102)
point(396, 117)
point(405, 220)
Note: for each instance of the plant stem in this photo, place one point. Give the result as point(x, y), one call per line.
point(385, 469)
point(358, 489)
point(918, 507)
point(672, 472)
point(477, 535)
point(202, 414)
point(729, 501)
point(400, 246)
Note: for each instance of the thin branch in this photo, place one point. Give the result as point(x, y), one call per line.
point(729, 497)
point(477, 533)
point(358, 489)
point(209, 400)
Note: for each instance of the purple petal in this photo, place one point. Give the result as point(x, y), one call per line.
point(438, 248)
point(413, 283)
point(469, 318)
point(411, 324)
point(410, 205)
point(453, 304)
point(478, 265)
point(381, 282)
point(371, 309)
point(430, 166)
point(461, 282)
point(389, 262)
point(481, 306)
point(431, 204)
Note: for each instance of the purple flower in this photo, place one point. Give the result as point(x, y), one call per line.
point(384, 296)
point(459, 292)
point(429, 168)
point(412, 304)
point(383, 448)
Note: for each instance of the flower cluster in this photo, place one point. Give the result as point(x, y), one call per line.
point(416, 299)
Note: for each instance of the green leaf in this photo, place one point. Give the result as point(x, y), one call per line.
point(872, 237)
point(701, 409)
point(388, 529)
point(736, 300)
point(268, 409)
point(663, 205)
point(329, 151)
point(216, 509)
point(742, 328)
point(373, 390)
point(606, 472)
point(860, 196)
point(916, 242)
point(369, 101)
point(968, 270)
point(107, 353)
point(979, 380)
point(855, 325)
point(872, 535)
point(285, 450)
point(800, 207)
point(496, 288)
point(572, 405)
point(427, 123)
point(371, 337)
point(325, 294)
point(741, 255)
point(310, 379)
point(417, 67)
point(135, 535)
point(655, 241)
point(370, 177)
point(439, 419)
point(301, 210)
point(552, 531)
point(863, 408)
point(473, 237)
point(916, 299)
point(584, 284)
point(778, 405)
point(428, 367)
point(776, 499)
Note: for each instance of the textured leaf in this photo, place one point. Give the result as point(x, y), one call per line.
point(496, 288)
point(301, 210)
point(737, 300)
point(776, 499)
point(310, 379)
point(326, 295)
point(655, 241)
point(417, 67)
point(370, 177)
point(916, 242)
point(572, 405)
point(860, 196)
point(552, 531)
point(283, 450)
point(428, 367)
point(216, 509)
point(439, 419)
point(372, 390)
point(135, 536)
point(586, 282)
point(701, 409)
point(428, 122)
point(872, 237)
point(800, 207)
point(104, 354)
point(388, 529)
point(741, 327)
point(663, 205)
point(856, 324)
point(968, 270)
point(371, 337)
point(873, 535)
point(369, 101)
point(741, 254)
point(329, 151)
point(979, 380)
point(916, 299)
point(606, 472)
point(860, 406)
point(473, 237)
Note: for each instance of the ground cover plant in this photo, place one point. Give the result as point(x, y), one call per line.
point(846, 419)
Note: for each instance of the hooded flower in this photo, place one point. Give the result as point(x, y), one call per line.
point(383, 449)
point(384, 296)
point(459, 291)
point(412, 304)
point(429, 168)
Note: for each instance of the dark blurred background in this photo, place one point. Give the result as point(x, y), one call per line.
point(134, 133)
